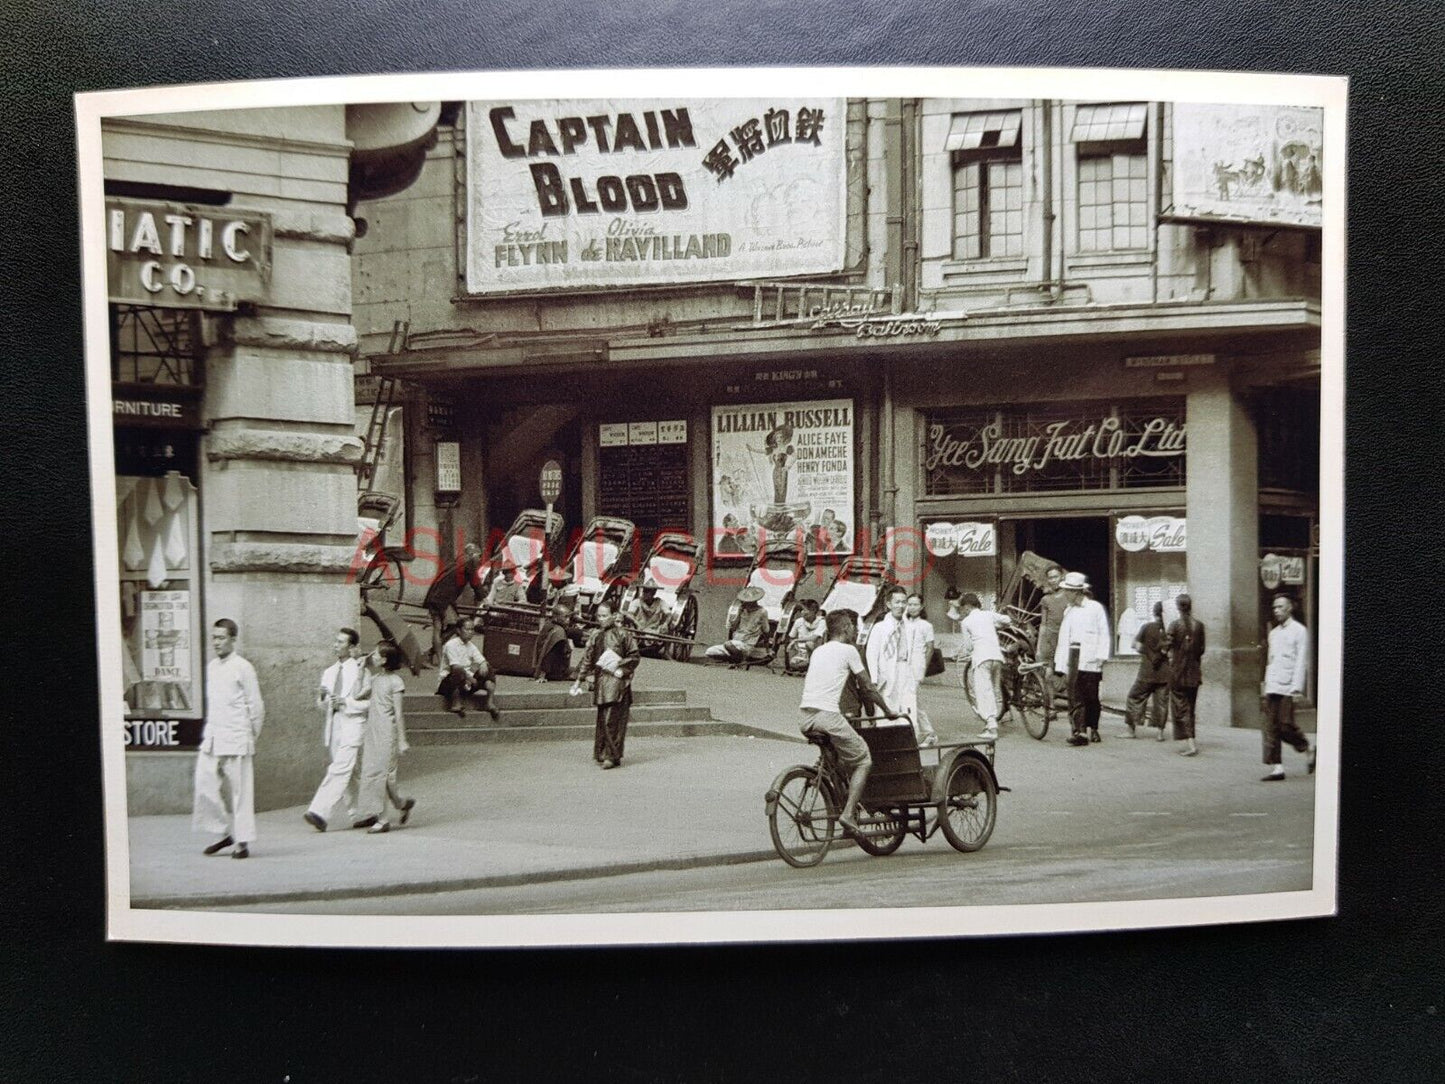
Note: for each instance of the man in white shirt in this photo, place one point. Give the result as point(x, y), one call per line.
point(828, 673)
point(980, 628)
point(225, 784)
point(890, 662)
point(1284, 683)
point(1086, 625)
point(342, 697)
point(806, 635)
point(464, 671)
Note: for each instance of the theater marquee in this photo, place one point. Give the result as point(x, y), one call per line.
point(599, 193)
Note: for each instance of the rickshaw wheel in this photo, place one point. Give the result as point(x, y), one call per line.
point(686, 627)
point(1035, 703)
point(970, 805)
point(882, 833)
point(803, 820)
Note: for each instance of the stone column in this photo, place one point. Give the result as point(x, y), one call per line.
point(1223, 514)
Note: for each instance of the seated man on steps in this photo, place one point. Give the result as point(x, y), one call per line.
point(464, 671)
point(829, 670)
point(747, 632)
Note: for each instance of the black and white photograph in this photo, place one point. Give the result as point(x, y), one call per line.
point(657, 506)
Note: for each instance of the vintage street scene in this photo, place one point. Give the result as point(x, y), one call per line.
point(544, 505)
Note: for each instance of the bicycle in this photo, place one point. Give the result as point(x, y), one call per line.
point(903, 796)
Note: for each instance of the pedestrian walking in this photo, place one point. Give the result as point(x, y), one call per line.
point(225, 782)
point(1147, 703)
point(384, 741)
point(889, 655)
point(1284, 683)
point(465, 672)
point(342, 696)
point(1086, 625)
point(980, 628)
point(612, 656)
point(1186, 649)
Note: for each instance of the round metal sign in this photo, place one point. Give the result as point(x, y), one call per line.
point(551, 481)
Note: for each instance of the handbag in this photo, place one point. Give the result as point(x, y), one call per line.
point(935, 662)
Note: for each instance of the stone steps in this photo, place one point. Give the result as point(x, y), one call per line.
point(544, 699)
point(580, 732)
point(514, 719)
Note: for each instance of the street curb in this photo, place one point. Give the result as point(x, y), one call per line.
point(459, 884)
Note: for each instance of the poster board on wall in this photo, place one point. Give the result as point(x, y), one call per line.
point(599, 193)
point(779, 468)
point(1249, 163)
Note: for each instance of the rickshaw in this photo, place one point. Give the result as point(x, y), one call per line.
point(1027, 691)
point(596, 568)
point(777, 570)
point(524, 545)
point(903, 796)
point(858, 585)
point(670, 566)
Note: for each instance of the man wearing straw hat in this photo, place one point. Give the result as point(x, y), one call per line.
point(747, 631)
point(1085, 625)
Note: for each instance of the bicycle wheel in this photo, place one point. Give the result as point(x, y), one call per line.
point(882, 832)
point(1035, 703)
point(802, 816)
point(970, 805)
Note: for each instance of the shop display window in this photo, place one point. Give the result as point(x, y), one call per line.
point(162, 657)
point(1145, 574)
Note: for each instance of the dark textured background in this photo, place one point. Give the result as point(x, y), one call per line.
point(1332, 999)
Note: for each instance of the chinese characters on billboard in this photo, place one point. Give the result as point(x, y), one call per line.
point(598, 193)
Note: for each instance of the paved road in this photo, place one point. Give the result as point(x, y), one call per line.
point(1125, 820)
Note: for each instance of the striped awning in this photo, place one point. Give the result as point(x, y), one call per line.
point(971, 131)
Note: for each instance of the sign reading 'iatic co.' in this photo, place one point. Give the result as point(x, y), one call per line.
point(599, 193)
point(183, 256)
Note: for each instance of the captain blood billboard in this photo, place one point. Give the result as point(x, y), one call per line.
point(578, 194)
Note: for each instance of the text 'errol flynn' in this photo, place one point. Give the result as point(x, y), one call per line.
point(610, 134)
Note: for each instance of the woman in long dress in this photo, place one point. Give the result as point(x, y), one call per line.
point(384, 740)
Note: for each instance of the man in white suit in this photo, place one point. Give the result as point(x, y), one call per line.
point(342, 697)
point(1086, 625)
point(890, 657)
point(225, 783)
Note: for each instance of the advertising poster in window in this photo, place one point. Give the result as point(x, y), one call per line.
point(598, 193)
point(779, 468)
point(1252, 163)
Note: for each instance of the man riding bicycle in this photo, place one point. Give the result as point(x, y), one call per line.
point(829, 669)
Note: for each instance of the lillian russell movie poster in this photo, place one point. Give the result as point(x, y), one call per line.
point(780, 468)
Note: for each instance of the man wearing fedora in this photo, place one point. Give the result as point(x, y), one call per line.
point(746, 632)
point(1085, 625)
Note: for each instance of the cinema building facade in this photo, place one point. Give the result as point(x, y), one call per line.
point(1027, 325)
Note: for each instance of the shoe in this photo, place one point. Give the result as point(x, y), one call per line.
point(1311, 768)
point(495, 713)
point(608, 763)
point(1078, 739)
point(378, 828)
point(1189, 752)
point(929, 739)
point(406, 808)
point(316, 820)
point(365, 822)
point(1272, 777)
point(1161, 734)
point(1094, 737)
point(1133, 731)
point(241, 851)
point(219, 845)
point(989, 734)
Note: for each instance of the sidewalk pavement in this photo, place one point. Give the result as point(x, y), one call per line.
point(509, 813)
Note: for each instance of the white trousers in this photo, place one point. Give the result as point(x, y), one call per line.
point(340, 779)
point(982, 675)
point(225, 797)
point(901, 692)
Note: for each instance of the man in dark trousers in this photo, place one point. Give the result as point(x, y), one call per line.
point(1284, 683)
point(1186, 649)
point(1151, 685)
point(612, 655)
point(441, 597)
